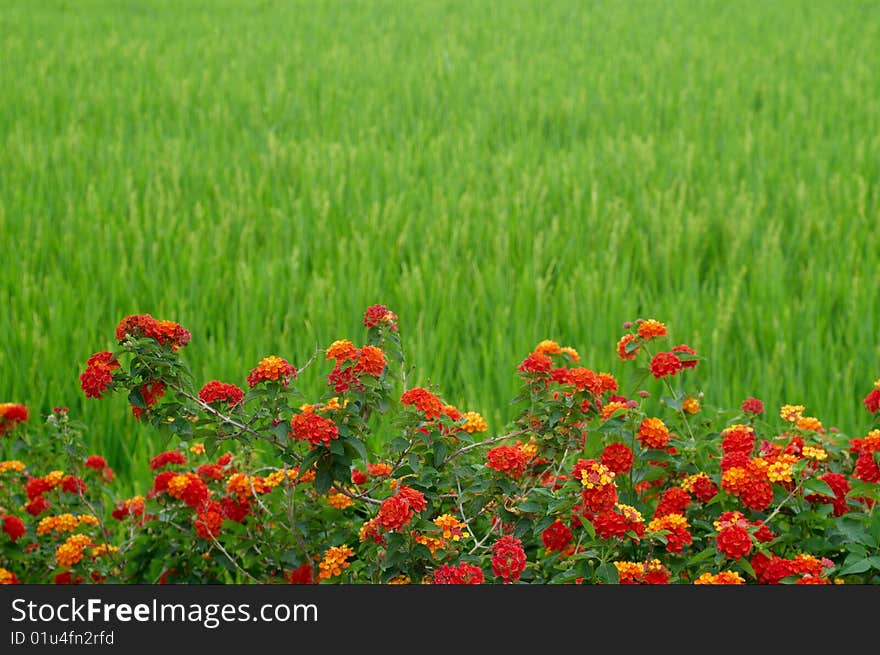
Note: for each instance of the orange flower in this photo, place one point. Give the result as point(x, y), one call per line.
point(339, 501)
point(609, 409)
point(371, 361)
point(334, 562)
point(625, 340)
point(651, 329)
point(548, 347)
point(424, 401)
point(271, 369)
point(725, 577)
point(653, 433)
point(71, 551)
point(342, 350)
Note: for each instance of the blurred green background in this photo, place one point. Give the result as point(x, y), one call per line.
point(495, 172)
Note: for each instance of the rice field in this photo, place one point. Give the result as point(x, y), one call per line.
point(496, 172)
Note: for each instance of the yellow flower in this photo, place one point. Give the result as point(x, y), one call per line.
point(596, 475)
point(473, 423)
point(197, 449)
point(54, 478)
point(339, 501)
point(779, 472)
point(791, 413)
point(400, 579)
point(103, 549)
point(690, 405)
point(451, 526)
point(812, 452)
point(12, 465)
point(6, 577)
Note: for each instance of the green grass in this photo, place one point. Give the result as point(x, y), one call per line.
point(497, 172)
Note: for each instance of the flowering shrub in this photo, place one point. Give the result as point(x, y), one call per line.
point(373, 481)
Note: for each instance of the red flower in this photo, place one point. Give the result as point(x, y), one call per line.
point(733, 538)
point(770, 570)
point(653, 433)
point(73, 485)
point(617, 457)
point(508, 459)
point(610, 524)
point(424, 401)
point(160, 482)
point(585, 379)
point(556, 536)
point(508, 559)
point(358, 477)
point(621, 347)
point(189, 488)
point(216, 391)
point(10, 415)
point(396, 511)
point(872, 401)
point(464, 573)
point(144, 325)
point(37, 506)
point(415, 498)
point(343, 379)
point(394, 514)
point(67, 578)
point(665, 364)
point(738, 439)
point(735, 460)
point(317, 430)
point(98, 376)
point(752, 406)
point(166, 458)
point(687, 350)
point(866, 468)
point(234, 510)
point(303, 574)
point(756, 493)
point(536, 363)
point(150, 392)
point(209, 521)
point(840, 486)
point(673, 501)
point(379, 315)
point(95, 462)
point(13, 527)
point(210, 472)
point(271, 369)
point(36, 487)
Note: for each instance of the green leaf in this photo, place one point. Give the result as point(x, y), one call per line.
point(323, 482)
point(413, 460)
point(859, 566)
point(281, 430)
point(820, 487)
point(359, 446)
point(745, 566)
point(136, 398)
point(440, 450)
point(529, 506)
point(608, 573)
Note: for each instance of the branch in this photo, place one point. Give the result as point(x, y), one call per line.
point(486, 442)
